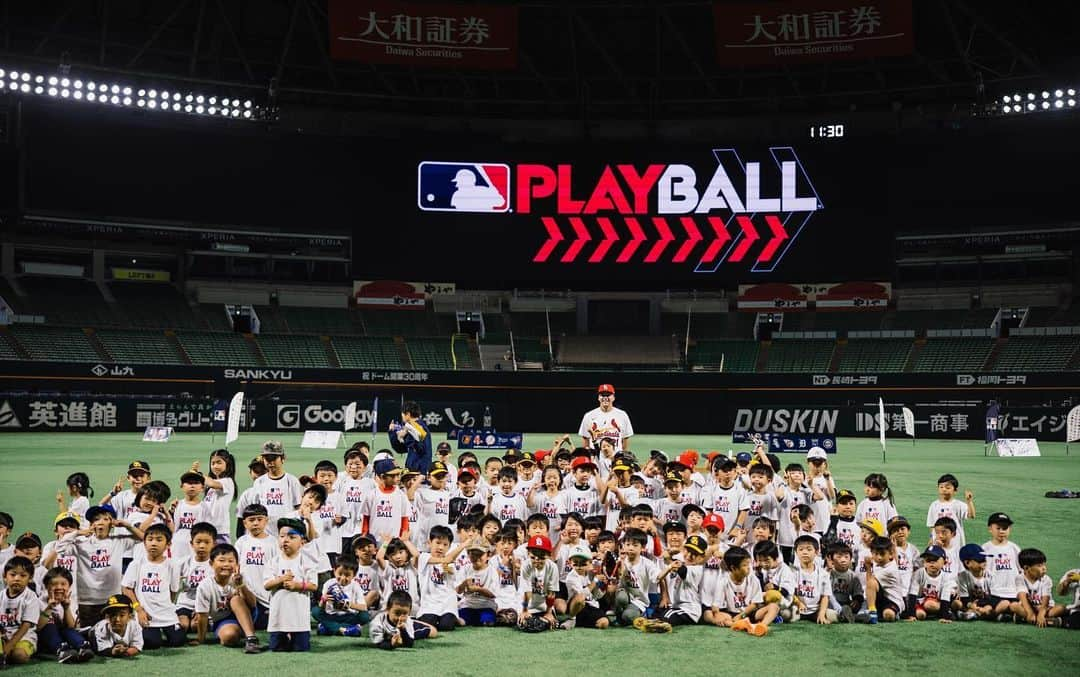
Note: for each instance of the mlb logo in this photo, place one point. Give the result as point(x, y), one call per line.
point(463, 187)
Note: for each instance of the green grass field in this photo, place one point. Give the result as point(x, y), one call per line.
point(34, 467)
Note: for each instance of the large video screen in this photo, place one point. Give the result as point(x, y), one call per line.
point(810, 203)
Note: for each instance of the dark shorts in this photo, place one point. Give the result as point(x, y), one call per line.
point(883, 603)
point(563, 593)
point(588, 617)
point(185, 613)
point(995, 600)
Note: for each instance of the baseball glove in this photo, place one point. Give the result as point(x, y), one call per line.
point(534, 624)
point(650, 625)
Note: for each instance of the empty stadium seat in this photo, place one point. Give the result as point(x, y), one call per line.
point(735, 355)
point(56, 344)
point(154, 304)
point(800, 356)
point(1037, 353)
point(66, 301)
point(7, 351)
point(655, 352)
point(404, 323)
point(217, 348)
point(430, 353)
point(875, 355)
point(531, 349)
point(953, 354)
point(364, 352)
point(143, 347)
point(324, 321)
point(287, 350)
point(536, 324)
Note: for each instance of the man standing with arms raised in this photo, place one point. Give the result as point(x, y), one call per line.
point(606, 422)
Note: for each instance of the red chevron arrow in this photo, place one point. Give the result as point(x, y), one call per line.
point(555, 236)
point(610, 238)
point(779, 234)
point(694, 236)
point(637, 237)
point(750, 236)
point(579, 242)
point(666, 238)
point(722, 238)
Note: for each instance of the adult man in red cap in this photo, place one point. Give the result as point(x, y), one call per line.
point(606, 422)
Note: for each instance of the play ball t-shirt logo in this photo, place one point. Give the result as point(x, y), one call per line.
point(275, 496)
point(463, 187)
point(101, 559)
point(255, 557)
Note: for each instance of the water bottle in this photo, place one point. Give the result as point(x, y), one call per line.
point(486, 420)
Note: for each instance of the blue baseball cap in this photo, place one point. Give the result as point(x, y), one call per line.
point(933, 552)
point(96, 511)
point(972, 551)
point(386, 466)
point(743, 457)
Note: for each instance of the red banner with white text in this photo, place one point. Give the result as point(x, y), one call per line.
point(800, 31)
point(482, 37)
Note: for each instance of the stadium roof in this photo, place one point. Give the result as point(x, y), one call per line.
point(576, 60)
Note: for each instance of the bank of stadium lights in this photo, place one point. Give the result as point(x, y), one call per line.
point(1037, 102)
point(163, 100)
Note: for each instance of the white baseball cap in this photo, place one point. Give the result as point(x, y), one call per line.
point(816, 452)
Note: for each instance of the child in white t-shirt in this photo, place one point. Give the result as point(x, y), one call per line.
point(1036, 591)
point(186, 513)
point(395, 627)
point(290, 577)
point(152, 581)
point(476, 585)
point(193, 570)
point(20, 610)
point(948, 506)
point(118, 635)
point(100, 557)
point(224, 602)
point(278, 490)
point(438, 601)
point(397, 568)
point(342, 607)
point(812, 583)
point(219, 490)
point(254, 551)
point(1003, 564)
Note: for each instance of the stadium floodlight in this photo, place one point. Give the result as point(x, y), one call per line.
point(173, 100)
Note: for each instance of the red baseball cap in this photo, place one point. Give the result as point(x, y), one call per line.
point(541, 454)
point(713, 520)
point(606, 388)
point(689, 458)
point(467, 472)
point(539, 543)
point(581, 462)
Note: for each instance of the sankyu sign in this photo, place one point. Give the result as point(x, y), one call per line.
point(702, 220)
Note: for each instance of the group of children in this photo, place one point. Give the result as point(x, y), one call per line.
point(554, 539)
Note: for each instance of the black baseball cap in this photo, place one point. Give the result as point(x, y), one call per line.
point(438, 468)
point(689, 508)
point(999, 518)
point(443, 446)
point(674, 525)
point(139, 466)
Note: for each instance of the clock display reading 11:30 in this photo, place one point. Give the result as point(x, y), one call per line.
point(827, 131)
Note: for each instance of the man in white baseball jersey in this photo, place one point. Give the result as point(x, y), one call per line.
point(606, 422)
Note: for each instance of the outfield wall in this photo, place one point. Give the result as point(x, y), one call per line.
point(82, 397)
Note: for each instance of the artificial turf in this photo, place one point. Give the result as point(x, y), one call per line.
point(33, 467)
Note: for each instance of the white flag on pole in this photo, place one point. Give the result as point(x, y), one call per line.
point(232, 429)
point(909, 422)
point(1074, 425)
point(350, 416)
point(881, 420)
